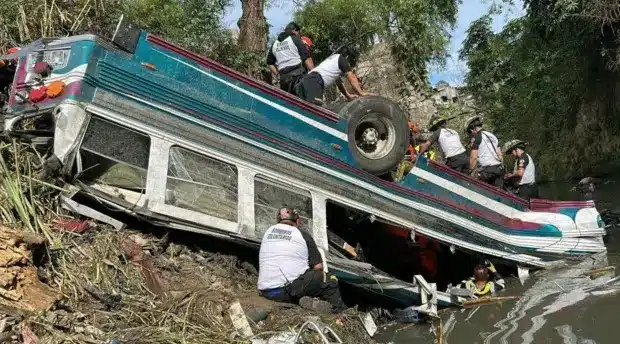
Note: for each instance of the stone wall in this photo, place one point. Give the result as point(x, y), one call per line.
point(379, 74)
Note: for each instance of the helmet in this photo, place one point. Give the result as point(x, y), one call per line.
point(472, 122)
point(437, 122)
point(286, 213)
point(412, 127)
point(307, 40)
point(512, 144)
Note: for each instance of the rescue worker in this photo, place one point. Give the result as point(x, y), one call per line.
point(480, 284)
point(291, 267)
point(449, 144)
point(485, 157)
point(312, 85)
point(524, 172)
point(430, 152)
point(289, 57)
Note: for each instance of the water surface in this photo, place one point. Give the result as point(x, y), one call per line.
point(559, 306)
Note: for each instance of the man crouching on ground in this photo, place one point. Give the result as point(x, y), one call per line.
point(291, 267)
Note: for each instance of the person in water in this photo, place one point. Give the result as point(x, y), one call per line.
point(524, 172)
point(485, 282)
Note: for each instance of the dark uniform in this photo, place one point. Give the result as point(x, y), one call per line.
point(288, 54)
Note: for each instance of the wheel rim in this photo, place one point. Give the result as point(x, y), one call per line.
point(374, 136)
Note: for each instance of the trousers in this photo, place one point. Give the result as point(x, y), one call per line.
point(493, 175)
point(459, 162)
point(310, 283)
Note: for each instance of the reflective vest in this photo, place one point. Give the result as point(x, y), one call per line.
point(430, 154)
point(489, 288)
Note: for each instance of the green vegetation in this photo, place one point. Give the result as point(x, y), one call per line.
point(550, 78)
point(193, 24)
point(415, 31)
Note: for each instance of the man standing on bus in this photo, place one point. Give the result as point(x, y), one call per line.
point(291, 267)
point(289, 57)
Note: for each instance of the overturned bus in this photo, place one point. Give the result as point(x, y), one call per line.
point(159, 132)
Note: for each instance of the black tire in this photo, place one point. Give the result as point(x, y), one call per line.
point(336, 107)
point(389, 125)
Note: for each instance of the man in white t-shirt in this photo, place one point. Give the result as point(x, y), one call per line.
point(524, 172)
point(485, 157)
point(450, 145)
point(291, 267)
point(312, 86)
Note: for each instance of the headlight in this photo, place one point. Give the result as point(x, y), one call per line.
point(57, 59)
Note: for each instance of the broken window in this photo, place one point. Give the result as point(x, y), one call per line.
point(114, 155)
point(199, 183)
point(270, 196)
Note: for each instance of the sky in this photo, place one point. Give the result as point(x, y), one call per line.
point(454, 72)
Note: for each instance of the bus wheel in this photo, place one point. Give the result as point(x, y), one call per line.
point(378, 133)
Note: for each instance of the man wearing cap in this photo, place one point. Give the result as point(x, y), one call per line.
point(291, 267)
point(289, 57)
point(449, 144)
point(485, 157)
point(312, 86)
point(524, 172)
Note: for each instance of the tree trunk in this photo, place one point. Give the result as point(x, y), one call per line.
point(253, 32)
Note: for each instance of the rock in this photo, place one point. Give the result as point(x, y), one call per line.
point(257, 315)
point(249, 267)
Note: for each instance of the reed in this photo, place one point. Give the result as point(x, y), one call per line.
point(107, 293)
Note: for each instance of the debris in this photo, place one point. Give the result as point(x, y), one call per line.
point(132, 246)
point(71, 225)
point(20, 287)
point(239, 321)
point(599, 272)
point(488, 300)
point(249, 267)
point(523, 273)
point(93, 274)
point(28, 336)
point(314, 304)
point(110, 302)
point(369, 324)
point(83, 210)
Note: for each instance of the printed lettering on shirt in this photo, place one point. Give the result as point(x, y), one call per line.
point(282, 46)
point(521, 163)
point(280, 234)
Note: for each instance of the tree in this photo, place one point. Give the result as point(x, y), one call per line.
point(253, 31)
point(550, 78)
point(416, 32)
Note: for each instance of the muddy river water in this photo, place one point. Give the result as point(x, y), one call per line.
point(558, 306)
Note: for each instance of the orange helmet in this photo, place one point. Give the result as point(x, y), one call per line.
point(307, 40)
point(413, 127)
